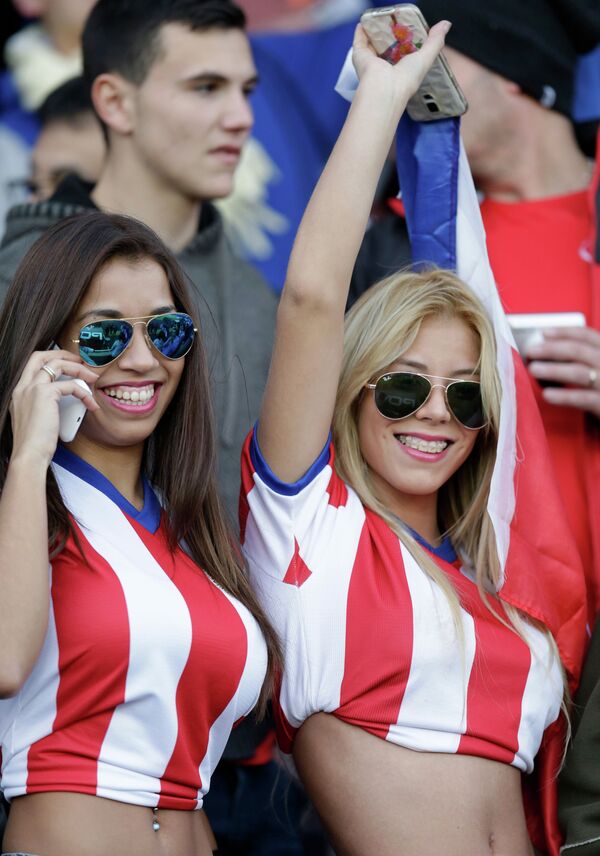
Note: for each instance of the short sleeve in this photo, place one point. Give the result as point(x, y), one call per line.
point(275, 516)
point(299, 541)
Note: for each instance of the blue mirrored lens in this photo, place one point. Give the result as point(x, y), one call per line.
point(103, 341)
point(172, 334)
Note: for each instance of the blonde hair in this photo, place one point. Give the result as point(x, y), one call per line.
point(381, 326)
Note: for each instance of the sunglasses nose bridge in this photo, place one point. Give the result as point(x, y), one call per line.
point(433, 402)
point(144, 332)
point(132, 348)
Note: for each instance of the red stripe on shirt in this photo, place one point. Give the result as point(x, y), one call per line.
point(92, 628)
point(495, 692)
point(378, 652)
point(211, 675)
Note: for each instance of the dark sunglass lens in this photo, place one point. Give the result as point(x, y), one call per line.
point(399, 394)
point(172, 334)
point(464, 400)
point(103, 341)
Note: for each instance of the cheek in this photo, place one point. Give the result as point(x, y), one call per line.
point(467, 446)
point(176, 370)
point(369, 428)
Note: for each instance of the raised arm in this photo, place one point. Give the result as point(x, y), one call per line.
point(301, 390)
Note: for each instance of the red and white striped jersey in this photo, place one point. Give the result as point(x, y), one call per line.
point(145, 668)
point(370, 638)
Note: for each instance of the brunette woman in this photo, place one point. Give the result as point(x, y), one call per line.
point(130, 642)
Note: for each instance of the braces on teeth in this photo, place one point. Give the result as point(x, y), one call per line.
point(431, 446)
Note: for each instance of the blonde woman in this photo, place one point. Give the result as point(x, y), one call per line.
point(411, 697)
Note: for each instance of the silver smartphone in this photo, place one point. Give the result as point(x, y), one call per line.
point(394, 32)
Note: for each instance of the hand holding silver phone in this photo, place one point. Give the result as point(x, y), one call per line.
point(394, 32)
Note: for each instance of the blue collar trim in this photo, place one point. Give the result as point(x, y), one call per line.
point(445, 550)
point(148, 516)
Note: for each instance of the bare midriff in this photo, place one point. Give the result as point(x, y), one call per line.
point(376, 797)
point(67, 824)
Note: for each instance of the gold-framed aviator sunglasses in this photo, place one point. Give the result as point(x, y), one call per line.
point(400, 394)
point(102, 342)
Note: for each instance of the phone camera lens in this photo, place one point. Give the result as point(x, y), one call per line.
point(430, 103)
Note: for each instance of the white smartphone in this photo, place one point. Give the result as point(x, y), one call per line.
point(71, 411)
point(528, 327)
point(394, 32)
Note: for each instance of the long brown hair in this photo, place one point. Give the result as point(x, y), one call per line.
point(180, 456)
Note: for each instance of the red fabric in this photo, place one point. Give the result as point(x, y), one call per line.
point(181, 780)
point(397, 206)
point(90, 687)
point(555, 595)
point(263, 753)
point(380, 606)
point(539, 252)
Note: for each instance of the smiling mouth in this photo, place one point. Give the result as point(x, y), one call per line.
point(432, 447)
point(138, 395)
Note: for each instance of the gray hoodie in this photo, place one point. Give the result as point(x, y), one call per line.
point(235, 304)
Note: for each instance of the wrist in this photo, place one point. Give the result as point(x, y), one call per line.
point(30, 462)
point(381, 86)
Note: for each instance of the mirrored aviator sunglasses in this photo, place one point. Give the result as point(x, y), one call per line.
point(400, 394)
point(101, 342)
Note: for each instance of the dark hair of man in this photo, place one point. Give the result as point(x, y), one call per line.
point(70, 103)
point(123, 36)
point(180, 456)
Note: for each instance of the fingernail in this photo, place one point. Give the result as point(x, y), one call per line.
point(446, 26)
point(552, 396)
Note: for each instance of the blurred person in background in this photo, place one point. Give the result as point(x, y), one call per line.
point(38, 58)
point(70, 140)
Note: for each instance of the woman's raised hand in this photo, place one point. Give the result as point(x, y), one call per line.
point(410, 70)
point(34, 404)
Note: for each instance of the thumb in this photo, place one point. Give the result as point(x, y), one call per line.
point(435, 39)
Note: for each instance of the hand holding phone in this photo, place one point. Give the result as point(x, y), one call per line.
point(395, 32)
point(570, 359)
point(528, 327)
